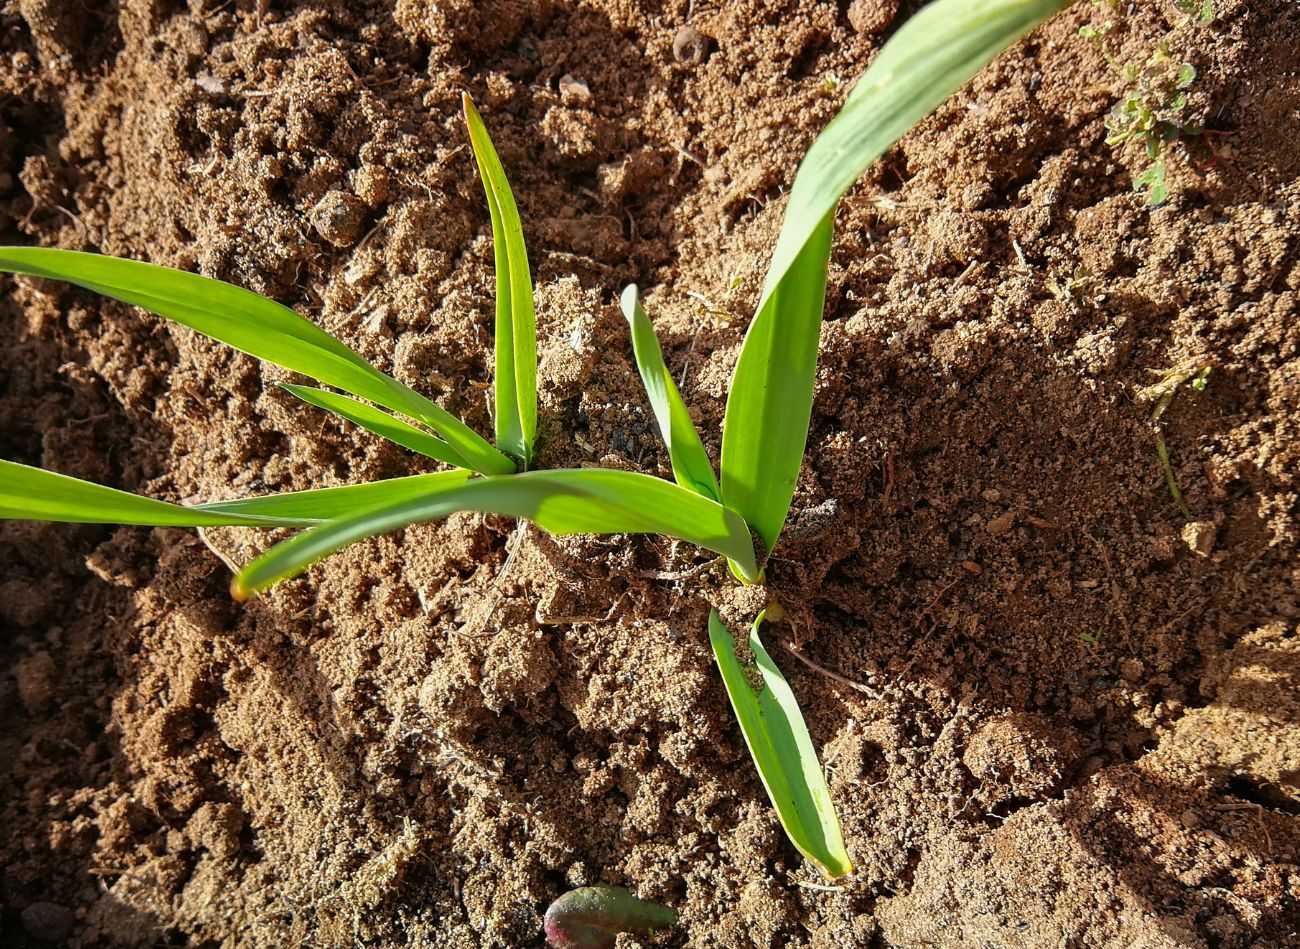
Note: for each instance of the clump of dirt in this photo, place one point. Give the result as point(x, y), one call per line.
point(1050, 720)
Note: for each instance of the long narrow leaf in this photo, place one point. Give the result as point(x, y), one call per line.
point(566, 501)
point(770, 400)
point(691, 466)
point(782, 750)
point(516, 325)
point(929, 58)
point(28, 493)
point(254, 325)
point(34, 494)
point(318, 505)
point(378, 422)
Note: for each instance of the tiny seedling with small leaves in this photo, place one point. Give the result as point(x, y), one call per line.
point(737, 513)
point(1196, 374)
point(1152, 112)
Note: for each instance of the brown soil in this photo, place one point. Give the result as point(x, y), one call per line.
point(1071, 729)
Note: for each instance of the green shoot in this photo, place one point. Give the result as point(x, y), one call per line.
point(567, 501)
point(516, 327)
point(691, 466)
point(930, 57)
point(254, 325)
point(770, 400)
point(764, 433)
point(1150, 113)
point(1196, 373)
point(33, 494)
point(782, 749)
point(769, 404)
point(377, 422)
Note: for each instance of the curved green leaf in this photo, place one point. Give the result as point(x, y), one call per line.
point(318, 505)
point(691, 466)
point(254, 325)
point(516, 324)
point(770, 400)
point(782, 750)
point(28, 493)
point(33, 494)
point(378, 422)
point(930, 57)
point(566, 501)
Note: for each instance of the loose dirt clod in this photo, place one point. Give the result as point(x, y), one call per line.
point(48, 922)
point(872, 16)
point(338, 217)
point(690, 46)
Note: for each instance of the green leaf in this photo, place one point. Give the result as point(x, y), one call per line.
point(565, 501)
point(770, 400)
point(378, 422)
point(254, 325)
point(516, 325)
point(691, 466)
point(1153, 182)
point(34, 494)
point(320, 505)
point(28, 493)
point(782, 750)
point(929, 58)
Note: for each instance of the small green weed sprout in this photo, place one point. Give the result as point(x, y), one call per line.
point(1151, 111)
point(738, 514)
point(1097, 33)
point(1196, 373)
point(1202, 11)
point(1150, 114)
point(1080, 285)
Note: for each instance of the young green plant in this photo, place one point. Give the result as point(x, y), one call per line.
point(1196, 373)
point(572, 501)
point(738, 515)
point(769, 403)
point(1151, 113)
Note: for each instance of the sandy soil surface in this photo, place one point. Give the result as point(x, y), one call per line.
point(1070, 715)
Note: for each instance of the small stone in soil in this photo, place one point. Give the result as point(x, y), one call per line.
point(338, 216)
point(1199, 536)
point(48, 922)
point(1000, 525)
point(36, 676)
point(690, 46)
point(872, 16)
point(574, 91)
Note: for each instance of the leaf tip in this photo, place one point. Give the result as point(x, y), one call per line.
point(839, 871)
point(629, 300)
point(240, 591)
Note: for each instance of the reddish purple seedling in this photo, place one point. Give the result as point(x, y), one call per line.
point(592, 917)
